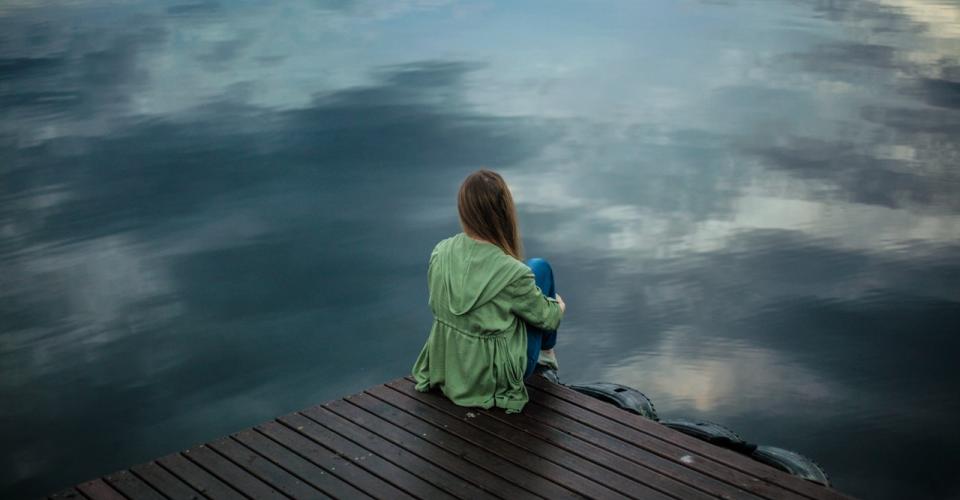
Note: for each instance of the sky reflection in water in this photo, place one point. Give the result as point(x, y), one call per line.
point(213, 213)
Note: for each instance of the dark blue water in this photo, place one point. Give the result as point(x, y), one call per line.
point(214, 213)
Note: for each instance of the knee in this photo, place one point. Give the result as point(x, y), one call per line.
point(539, 266)
point(543, 274)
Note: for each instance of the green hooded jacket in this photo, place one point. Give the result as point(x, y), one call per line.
point(481, 300)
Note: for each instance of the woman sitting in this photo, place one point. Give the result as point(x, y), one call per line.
point(495, 317)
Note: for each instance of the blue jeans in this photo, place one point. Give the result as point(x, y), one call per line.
point(538, 339)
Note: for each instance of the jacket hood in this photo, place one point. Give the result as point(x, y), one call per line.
point(468, 273)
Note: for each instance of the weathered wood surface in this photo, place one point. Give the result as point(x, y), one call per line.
point(393, 442)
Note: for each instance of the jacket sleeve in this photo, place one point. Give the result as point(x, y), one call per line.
point(530, 304)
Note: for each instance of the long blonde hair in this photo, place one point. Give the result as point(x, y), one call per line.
point(487, 211)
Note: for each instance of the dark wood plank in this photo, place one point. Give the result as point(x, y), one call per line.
point(98, 489)
point(199, 479)
point(132, 486)
point(397, 455)
point(727, 457)
point(264, 469)
point(458, 463)
point(611, 470)
point(316, 476)
point(332, 461)
point(70, 493)
point(366, 459)
point(504, 447)
point(230, 473)
point(404, 393)
point(464, 449)
point(164, 482)
point(392, 441)
point(670, 459)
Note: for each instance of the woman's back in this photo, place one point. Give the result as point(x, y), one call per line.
point(464, 278)
point(481, 299)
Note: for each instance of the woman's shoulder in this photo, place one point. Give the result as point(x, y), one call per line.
point(444, 243)
point(486, 253)
point(513, 271)
point(445, 246)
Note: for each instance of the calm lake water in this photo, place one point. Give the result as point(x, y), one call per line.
point(215, 213)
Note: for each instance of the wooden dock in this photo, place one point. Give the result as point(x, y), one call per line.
point(393, 442)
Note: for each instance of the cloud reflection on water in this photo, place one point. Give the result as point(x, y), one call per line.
point(724, 379)
point(222, 202)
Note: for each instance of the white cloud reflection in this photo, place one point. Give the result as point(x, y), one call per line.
point(636, 231)
point(942, 17)
point(728, 378)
